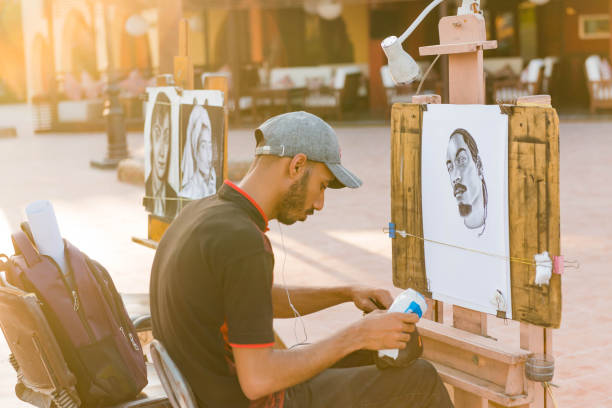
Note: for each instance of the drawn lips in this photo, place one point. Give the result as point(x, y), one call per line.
point(459, 189)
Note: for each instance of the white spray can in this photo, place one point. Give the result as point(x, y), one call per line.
point(409, 301)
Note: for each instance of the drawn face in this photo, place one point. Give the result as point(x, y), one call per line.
point(464, 174)
point(160, 143)
point(204, 149)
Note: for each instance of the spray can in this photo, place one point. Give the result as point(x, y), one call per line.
point(409, 301)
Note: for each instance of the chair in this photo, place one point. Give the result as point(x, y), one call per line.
point(549, 75)
point(599, 82)
point(43, 377)
point(176, 387)
point(528, 83)
point(341, 95)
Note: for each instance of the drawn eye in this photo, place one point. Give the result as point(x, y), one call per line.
point(461, 159)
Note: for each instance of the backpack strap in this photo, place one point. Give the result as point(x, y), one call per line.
point(24, 246)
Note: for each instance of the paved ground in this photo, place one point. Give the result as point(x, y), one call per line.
point(343, 244)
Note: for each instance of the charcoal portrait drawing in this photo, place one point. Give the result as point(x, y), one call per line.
point(468, 184)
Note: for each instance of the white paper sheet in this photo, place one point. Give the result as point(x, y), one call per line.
point(454, 210)
point(45, 231)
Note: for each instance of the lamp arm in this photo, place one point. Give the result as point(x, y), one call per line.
point(418, 20)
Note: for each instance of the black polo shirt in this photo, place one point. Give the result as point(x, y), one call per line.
point(210, 291)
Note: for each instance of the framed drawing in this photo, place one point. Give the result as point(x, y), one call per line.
point(594, 26)
point(201, 144)
point(184, 148)
point(474, 197)
point(464, 175)
point(161, 152)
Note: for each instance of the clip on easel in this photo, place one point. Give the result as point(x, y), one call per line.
point(481, 371)
point(183, 78)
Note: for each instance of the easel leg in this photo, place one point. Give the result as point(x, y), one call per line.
point(537, 340)
point(464, 399)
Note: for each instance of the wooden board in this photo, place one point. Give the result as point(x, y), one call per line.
point(533, 188)
point(406, 210)
point(533, 168)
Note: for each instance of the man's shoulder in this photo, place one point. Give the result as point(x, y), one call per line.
point(228, 226)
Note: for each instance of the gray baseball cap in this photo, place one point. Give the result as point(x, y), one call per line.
point(301, 132)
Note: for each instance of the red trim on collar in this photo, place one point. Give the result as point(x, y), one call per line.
point(251, 200)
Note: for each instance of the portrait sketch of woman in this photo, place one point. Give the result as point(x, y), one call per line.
point(202, 151)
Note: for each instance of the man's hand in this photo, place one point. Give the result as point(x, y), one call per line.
point(366, 298)
point(381, 330)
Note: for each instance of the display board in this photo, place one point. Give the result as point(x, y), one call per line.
point(184, 147)
point(464, 172)
point(532, 204)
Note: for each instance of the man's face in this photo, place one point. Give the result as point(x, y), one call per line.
point(464, 175)
point(160, 143)
point(306, 195)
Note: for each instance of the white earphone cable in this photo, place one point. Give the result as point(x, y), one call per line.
point(298, 316)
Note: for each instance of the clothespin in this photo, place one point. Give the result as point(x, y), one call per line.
point(391, 230)
point(558, 264)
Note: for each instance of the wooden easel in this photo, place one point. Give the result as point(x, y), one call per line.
point(184, 79)
point(481, 371)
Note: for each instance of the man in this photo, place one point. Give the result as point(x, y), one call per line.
point(213, 300)
point(160, 196)
point(467, 179)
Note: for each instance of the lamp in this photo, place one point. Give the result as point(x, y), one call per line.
point(136, 25)
point(539, 2)
point(329, 9)
point(402, 66)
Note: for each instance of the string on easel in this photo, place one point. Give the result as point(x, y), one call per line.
point(391, 231)
point(547, 388)
point(426, 74)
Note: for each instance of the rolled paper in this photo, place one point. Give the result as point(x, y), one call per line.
point(45, 231)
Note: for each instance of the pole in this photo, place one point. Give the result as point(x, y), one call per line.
point(51, 53)
point(444, 59)
point(115, 121)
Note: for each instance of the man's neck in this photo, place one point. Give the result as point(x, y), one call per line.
point(259, 185)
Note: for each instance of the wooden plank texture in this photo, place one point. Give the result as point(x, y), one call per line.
point(469, 388)
point(406, 210)
point(533, 190)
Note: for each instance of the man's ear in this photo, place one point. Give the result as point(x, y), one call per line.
point(297, 166)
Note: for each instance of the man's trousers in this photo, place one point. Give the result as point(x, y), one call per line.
point(415, 386)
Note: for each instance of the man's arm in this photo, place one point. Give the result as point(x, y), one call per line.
point(309, 300)
point(262, 371)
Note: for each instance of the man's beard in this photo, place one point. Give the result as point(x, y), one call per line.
point(465, 210)
point(293, 203)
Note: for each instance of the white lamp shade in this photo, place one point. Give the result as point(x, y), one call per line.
point(329, 10)
point(136, 25)
point(539, 2)
point(402, 66)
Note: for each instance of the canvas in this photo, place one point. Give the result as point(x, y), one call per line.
point(161, 152)
point(201, 145)
point(464, 173)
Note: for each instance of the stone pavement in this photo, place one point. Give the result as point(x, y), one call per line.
point(343, 244)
